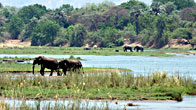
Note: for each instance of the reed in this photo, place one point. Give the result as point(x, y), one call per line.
point(112, 86)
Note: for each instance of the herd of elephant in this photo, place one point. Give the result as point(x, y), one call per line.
point(54, 65)
point(67, 65)
point(137, 48)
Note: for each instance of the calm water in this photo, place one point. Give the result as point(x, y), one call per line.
point(183, 64)
point(187, 104)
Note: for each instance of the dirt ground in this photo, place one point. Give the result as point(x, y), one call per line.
point(15, 44)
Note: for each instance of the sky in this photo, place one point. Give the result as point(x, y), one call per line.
point(52, 4)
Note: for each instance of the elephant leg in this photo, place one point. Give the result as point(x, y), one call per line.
point(51, 72)
point(58, 73)
point(64, 71)
point(42, 70)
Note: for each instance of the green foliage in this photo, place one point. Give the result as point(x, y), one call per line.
point(28, 12)
point(66, 8)
point(145, 36)
point(179, 3)
point(184, 33)
point(93, 85)
point(160, 26)
point(76, 35)
point(15, 26)
point(104, 24)
point(29, 28)
point(45, 33)
point(129, 32)
point(169, 7)
point(133, 3)
point(193, 40)
point(8, 11)
point(61, 38)
point(110, 37)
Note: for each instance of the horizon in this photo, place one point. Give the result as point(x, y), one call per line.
point(52, 4)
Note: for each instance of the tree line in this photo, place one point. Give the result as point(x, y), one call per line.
point(104, 24)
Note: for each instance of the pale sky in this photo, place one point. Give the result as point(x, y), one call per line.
point(52, 4)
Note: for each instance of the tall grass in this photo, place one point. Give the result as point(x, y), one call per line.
point(53, 105)
point(98, 86)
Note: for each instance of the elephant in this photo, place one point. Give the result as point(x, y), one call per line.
point(127, 47)
point(137, 48)
point(70, 65)
point(49, 63)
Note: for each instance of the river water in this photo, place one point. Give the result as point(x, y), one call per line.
point(179, 64)
point(188, 103)
point(182, 64)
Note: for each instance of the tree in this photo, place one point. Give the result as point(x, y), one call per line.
point(180, 33)
point(129, 33)
point(50, 29)
point(188, 14)
point(28, 12)
point(132, 3)
point(61, 38)
point(169, 7)
point(1, 6)
point(29, 29)
point(135, 16)
point(156, 8)
point(111, 37)
point(179, 3)
point(66, 9)
point(160, 27)
point(15, 26)
point(76, 35)
point(45, 33)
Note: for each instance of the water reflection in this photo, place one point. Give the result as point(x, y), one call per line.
point(187, 103)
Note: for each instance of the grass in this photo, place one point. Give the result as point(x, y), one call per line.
point(27, 67)
point(113, 86)
point(55, 105)
point(81, 51)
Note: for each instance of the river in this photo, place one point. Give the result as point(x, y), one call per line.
point(188, 103)
point(182, 64)
point(179, 64)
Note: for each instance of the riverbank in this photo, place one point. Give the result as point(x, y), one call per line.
point(67, 104)
point(13, 67)
point(94, 51)
point(112, 86)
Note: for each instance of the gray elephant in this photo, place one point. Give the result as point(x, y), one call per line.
point(70, 65)
point(139, 48)
point(49, 63)
point(127, 47)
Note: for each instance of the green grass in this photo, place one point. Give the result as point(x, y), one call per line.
point(157, 86)
point(25, 67)
point(81, 51)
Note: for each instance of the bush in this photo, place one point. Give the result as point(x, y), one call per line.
point(184, 33)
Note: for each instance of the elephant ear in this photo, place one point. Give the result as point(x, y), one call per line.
point(40, 58)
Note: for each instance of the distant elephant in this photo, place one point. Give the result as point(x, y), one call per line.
point(137, 48)
point(127, 47)
point(49, 63)
point(70, 65)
